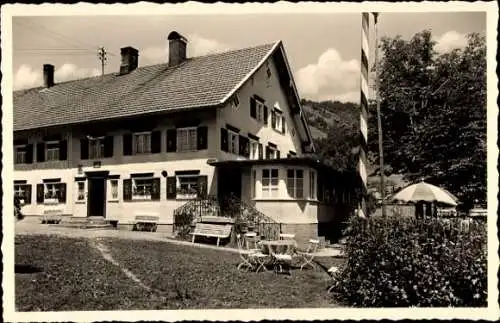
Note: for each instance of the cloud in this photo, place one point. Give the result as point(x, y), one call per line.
point(26, 77)
point(449, 41)
point(197, 46)
point(330, 78)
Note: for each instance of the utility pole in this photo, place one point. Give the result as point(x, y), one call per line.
point(379, 117)
point(102, 54)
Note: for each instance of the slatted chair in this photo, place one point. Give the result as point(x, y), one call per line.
point(244, 254)
point(309, 254)
point(287, 236)
point(212, 230)
point(256, 255)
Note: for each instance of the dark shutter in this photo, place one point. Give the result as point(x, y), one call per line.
point(127, 144)
point(62, 193)
point(63, 150)
point(155, 190)
point(273, 118)
point(278, 154)
point(40, 152)
point(202, 134)
point(39, 193)
point(202, 185)
point(84, 148)
point(283, 125)
point(27, 195)
point(268, 153)
point(253, 108)
point(171, 140)
point(108, 146)
point(156, 142)
point(29, 154)
point(223, 140)
point(261, 151)
point(127, 189)
point(171, 188)
point(265, 114)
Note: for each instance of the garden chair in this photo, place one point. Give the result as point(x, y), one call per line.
point(251, 241)
point(256, 255)
point(287, 236)
point(244, 254)
point(309, 254)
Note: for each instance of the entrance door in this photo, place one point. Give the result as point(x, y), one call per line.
point(96, 196)
point(229, 182)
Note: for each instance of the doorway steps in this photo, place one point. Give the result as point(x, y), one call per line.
point(92, 222)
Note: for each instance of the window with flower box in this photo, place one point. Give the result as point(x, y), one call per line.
point(141, 187)
point(51, 191)
point(23, 192)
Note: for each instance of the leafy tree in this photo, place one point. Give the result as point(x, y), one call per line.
point(434, 113)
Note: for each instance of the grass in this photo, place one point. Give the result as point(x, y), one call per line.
point(70, 275)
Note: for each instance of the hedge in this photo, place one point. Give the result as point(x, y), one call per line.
point(401, 261)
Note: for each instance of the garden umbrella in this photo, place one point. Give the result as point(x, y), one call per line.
point(425, 192)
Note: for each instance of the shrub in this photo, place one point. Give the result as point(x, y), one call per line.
point(183, 223)
point(408, 262)
point(17, 209)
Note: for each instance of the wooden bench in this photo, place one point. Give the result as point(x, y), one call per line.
point(212, 230)
point(146, 222)
point(51, 216)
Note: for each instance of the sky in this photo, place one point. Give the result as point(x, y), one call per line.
point(323, 48)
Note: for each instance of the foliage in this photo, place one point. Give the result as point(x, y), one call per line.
point(17, 208)
point(434, 113)
point(76, 277)
point(339, 121)
point(183, 223)
point(401, 261)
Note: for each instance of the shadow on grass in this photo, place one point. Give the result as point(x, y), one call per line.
point(26, 269)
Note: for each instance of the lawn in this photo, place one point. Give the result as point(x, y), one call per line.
point(63, 274)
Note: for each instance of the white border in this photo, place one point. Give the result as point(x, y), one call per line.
point(142, 8)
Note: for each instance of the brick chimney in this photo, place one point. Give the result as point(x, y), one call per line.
point(176, 48)
point(130, 59)
point(48, 75)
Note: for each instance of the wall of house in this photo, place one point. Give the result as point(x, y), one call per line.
point(270, 90)
point(120, 165)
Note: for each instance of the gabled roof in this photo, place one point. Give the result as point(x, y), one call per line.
point(204, 81)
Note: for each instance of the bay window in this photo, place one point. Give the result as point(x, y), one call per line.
point(312, 185)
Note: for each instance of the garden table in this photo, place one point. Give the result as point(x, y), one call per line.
point(281, 251)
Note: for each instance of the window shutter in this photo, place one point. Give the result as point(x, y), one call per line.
point(39, 193)
point(127, 144)
point(202, 134)
point(202, 185)
point(241, 144)
point(261, 151)
point(27, 196)
point(171, 188)
point(40, 152)
point(171, 140)
point(84, 148)
point(108, 146)
point(273, 118)
point(127, 189)
point(62, 193)
point(223, 140)
point(283, 125)
point(268, 153)
point(29, 154)
point(265, 114)
point(156, 142)
point(155, 190)
point(278, 154)
point(253, 108)
point(63, 150)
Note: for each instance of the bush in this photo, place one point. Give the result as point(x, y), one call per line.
point(408, 262)
point(17, 209)
point(183, 222)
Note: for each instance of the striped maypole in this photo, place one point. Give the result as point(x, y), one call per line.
point(363, 149)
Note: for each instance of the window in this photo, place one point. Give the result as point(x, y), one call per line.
point(96, 148)
point(259, 106)
point(114, 189)
point(271, 152)
point(233, 144)
point(254, 149)
point(277, 120)
point(186, 139)
point(142, 143)
point(270, 181)
point(20, 154)
point(20, 191)
point(51, 191)
point(81, 191)
point(312, 184)
point(52, 151)
point(295, 183)
point(187, 186)
point(141, 188)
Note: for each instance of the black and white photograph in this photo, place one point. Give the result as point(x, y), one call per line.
point(249, 161)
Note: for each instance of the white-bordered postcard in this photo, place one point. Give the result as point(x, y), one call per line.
point(299, 161)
